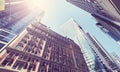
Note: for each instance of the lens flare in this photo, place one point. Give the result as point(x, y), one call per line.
point(37, 3)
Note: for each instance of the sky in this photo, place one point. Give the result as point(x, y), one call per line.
point(57, 12)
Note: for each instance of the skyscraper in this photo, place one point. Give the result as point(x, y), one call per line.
point(93, 58)
point(34, 15)
point(106, 12)
point(72, 30)
point(116, 58)
point(14, 19)
point(17, 15)
point(13, 11)
point(106, 59)
point(6, 37)
point(39, 49)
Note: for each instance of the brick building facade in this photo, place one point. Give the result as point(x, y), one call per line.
point(39, 49)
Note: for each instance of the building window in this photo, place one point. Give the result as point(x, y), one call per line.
point(6, 34)
point(25, 66)
point(30, 67)
point(18, 47)
point(11, 54)
point(20, 66)
point(10, 62)
point(24, 41)
point(43, 69)
point(4, 39)
point(20, 56)
point(25, 58)
point(4, 62)
point(20, 44)
point(15, 65)
point(27, 36)
point(1, 45)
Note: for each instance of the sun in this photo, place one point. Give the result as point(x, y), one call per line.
point(37, 3)
point(33, 3)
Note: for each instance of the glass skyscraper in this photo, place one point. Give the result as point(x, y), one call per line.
point(6, 37)
point(13, 11)
point(72, 30)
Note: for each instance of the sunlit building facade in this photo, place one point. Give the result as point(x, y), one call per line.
point(39, 49)
point(93, 58)
point(106, 12)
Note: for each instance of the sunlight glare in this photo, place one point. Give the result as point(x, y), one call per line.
point(37, 3)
